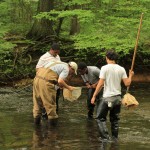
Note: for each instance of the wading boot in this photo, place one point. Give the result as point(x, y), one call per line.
point(90, 115)
point(104, 135)
point(37, 120)
point(114, 131)
point(53, 122)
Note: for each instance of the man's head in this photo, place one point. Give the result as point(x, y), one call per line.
point(82, 68)
point(73, 67)
point(111, 55)
point(55, 49)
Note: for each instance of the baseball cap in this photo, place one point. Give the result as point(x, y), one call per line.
point(74, 66)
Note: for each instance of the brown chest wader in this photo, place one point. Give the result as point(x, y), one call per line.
point(44, 94)
point(57, 93)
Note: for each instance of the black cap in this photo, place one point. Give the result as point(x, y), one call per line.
point(55, 46)
point(82, 65)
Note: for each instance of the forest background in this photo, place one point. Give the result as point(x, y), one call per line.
point(85, 29)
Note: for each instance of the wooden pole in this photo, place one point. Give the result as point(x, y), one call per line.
point(136, 44)
point(135, 48)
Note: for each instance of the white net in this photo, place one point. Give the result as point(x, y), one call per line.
point(72, 95)
point(129, 101)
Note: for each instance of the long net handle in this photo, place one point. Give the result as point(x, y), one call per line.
point(137, 39)
point(135, 48)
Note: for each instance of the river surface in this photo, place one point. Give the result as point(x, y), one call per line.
point(73, 131)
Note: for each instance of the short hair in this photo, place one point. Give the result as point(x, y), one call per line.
point(82, 65)
point(111, 55)
point(55, 46)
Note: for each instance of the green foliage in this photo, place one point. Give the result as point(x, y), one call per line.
point(99, 25)
point(115, 27)
point(15, 19)
point(103, 24)
point(5, 47)
point(54, 15)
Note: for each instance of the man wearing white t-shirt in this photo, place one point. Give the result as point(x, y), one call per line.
point(51, 56)
point(111, 76)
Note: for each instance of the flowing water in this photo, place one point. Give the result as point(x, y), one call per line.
point(73, 131)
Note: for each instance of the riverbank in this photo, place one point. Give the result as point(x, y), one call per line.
point(75, 81)
point(143, 78)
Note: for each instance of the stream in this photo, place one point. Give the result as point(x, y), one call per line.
point(74, 131)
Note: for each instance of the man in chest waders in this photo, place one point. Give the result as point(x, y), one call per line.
point(44, 92)
point(53, 56)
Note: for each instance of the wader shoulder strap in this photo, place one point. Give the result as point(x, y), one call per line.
point(55, 63)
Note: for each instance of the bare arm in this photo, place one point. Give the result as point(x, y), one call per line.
point(97, 90)
point(94, 85)
point(91, 86)
point(62, 83)
point(127, 81)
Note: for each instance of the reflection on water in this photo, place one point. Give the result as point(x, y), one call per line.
point(73, 131)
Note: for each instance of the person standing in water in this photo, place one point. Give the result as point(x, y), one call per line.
point(51, 56)
point(44, 92)
point(90, 76)
point(111, 76)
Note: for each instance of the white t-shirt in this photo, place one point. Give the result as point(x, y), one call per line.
point(44, 59)
point(112, 74)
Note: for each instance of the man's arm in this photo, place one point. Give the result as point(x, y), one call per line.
point(97, 90)
point(94, 85)
point(127, 81)
point(62, 83)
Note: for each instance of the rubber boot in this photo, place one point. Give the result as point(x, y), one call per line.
point(114, 130)
point(103, 131)
point(53, 122)
point(89, 105)
point(37, 120)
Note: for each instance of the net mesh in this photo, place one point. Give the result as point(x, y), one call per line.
point(129, 101)
point(72, 95)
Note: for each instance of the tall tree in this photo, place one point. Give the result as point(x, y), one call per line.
point(43, 27)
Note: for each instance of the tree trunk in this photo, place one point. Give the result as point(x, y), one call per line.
point(75, 27)
point(60, 23)
point(43, 27)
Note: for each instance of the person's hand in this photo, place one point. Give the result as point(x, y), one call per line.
point(88, 85)
point(93, 86)
point(71, 88)
point(131, 73)
point(92, 100)
point(60, 86)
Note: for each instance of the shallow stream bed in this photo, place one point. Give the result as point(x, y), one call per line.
point(74, 131)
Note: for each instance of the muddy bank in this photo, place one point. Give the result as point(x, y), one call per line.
point(141, 77)
point(75, 81)
point(145, 78)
